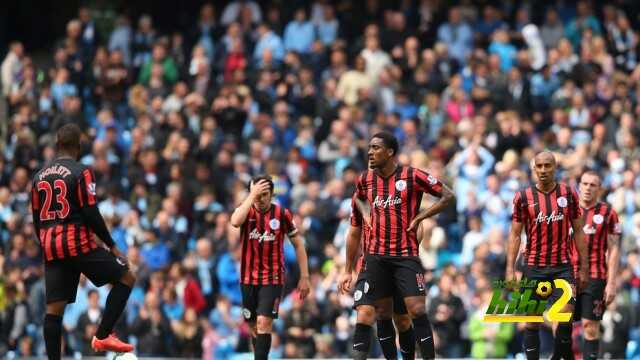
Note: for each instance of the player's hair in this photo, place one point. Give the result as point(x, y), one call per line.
point(265, 177)
point(389, 141)
point(68, 137)
point(592, 173)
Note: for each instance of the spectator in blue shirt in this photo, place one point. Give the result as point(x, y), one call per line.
point(268, 40)
point(584, 20)
point(154, 253)
point(299, 34)
point(501, 46)
point(490, 22)
point(457, 35)
point(328, 26)
point(228, 272)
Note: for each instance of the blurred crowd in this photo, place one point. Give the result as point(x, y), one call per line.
point(176, 123)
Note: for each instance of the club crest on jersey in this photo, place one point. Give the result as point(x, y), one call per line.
point(553, 217)
point(562, 201)
point(432, 180)
point(91, 188)
point(274, 224)
point(598, 219)
point(401, 185)
point(366, 287)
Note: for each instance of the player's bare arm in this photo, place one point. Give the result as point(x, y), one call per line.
point(353, 244)
point(239, 215)
point(581, 244)
point(365, 209)
point(613, 261)
point(301, 254)
point(443, 202)
point(513, 247)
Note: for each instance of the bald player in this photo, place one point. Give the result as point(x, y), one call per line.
point(547, 211)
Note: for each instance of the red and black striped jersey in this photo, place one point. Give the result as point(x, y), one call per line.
point(356, 220)
point(394, 202)
point(262, 235)
point(547, 220)
point(600, 221)
point(64, 204)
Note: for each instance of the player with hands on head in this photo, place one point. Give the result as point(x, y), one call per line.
point(263, 227)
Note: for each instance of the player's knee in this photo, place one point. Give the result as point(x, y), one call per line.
point(128, 279)
point(56, 308)
point(366, 314)
point(591, 329)
point(416, 308)
point(532, 326)
point(402, 321)
point(264, 325)
point(384, 313)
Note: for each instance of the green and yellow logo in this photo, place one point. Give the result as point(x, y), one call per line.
point(518, 305)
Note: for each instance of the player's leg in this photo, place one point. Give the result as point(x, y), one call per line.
point(61, 285)
point(267, 310)
point(562, 331)
point(378, 288)
point(249, 306)
point(409, 278)
point(531, 343)
point(362, 302)
point(102, 267)
point(592, 301)
point(406, 335)
point(385, 330)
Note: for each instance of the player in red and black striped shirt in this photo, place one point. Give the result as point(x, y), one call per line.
point(263, 226)
point(394, 194)
point(602, 230)
point(366, 313)
point(547, 211)
point(66, 217)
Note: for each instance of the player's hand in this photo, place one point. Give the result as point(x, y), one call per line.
point(584, 278)
point(304, 286)
point(510, 275)
point(258, 188)
point(116, 252)
point(344, 282)
point(609, 293)
point(413, 226)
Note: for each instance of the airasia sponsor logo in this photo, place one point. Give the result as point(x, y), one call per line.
point(379, 201)
point(266, 236)
point(553, 217)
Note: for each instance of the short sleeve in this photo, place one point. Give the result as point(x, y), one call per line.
point(356, 215)
point(614, 227)
point(360, 191)
point(517, 214)
point(87, 188)
point(425, 182)
point(290, 223)
point(574, 211)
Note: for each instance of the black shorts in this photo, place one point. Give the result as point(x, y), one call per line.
point(389, 275)
point(260, 300)
point(590, 301)
point(549, 274)
point(361, 296)
point(62, 276)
